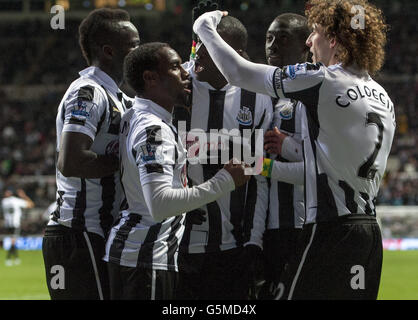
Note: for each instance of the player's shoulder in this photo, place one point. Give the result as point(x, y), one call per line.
point(302, 69)
point(142, 121)
point(129, 102)
point(378, 87)
point(86, 89)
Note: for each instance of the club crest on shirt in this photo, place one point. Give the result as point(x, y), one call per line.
point(245, 116)
point(150, 153)
point(286, 112)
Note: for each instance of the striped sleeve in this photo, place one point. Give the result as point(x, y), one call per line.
point(154, 152)
point(84, 109)
point(300, 82)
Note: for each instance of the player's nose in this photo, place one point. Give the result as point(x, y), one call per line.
point(309, 41)
point(184, 74)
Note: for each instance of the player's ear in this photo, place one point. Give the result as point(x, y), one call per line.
point(150, 77)
point(107, 51)
point(333, 42)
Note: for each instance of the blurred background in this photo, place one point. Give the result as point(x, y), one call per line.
point(38, 63)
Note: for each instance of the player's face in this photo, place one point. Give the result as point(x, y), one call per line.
point(175, 80)
point(283, 46)
point(127, 42)
point(205, 68)
point(320, 46)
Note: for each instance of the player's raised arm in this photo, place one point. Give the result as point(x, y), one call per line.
point(237, 70)
point(292, 81)
point(29, 202)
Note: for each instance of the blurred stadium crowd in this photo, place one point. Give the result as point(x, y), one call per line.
point(39, 63)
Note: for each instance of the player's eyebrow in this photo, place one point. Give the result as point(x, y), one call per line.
point(175, 61)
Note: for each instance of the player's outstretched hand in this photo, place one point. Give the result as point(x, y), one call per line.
point(237, 171)
point(209, 20)
point(273, 141)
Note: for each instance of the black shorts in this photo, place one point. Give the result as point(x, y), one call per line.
point(73, 264)
point(279, 245)
point(336, 260)
point(213, 276)
point(129, 283)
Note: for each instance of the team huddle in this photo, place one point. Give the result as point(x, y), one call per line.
point(136, 218)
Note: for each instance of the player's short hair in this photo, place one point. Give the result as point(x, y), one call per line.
point(98, 28)
point(236, 30)
point(300, 27)
point(143, 58)
point(364, 47)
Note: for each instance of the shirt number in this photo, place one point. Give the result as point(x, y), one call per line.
point(366, 171)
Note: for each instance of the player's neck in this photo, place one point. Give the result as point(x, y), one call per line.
point(109, 70)
point(164, 103)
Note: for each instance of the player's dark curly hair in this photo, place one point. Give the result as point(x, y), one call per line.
point(364, 47)
point(143, 58)
point(98, 28)
point(236, 30)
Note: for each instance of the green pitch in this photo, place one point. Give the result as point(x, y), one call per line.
point(27, 280)
point(399, 276)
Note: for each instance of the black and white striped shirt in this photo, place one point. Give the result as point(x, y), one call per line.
point(149, 152)
point(92, 105)
point(237, 218)
point(286, 201)
point(347, 133)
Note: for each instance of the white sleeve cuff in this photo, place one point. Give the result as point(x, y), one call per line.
point(80, 129)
